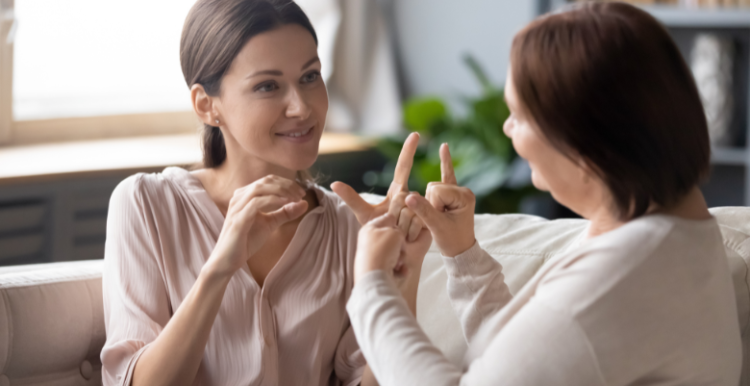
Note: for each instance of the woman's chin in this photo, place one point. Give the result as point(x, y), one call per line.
point(300, 162)
point(539, 182)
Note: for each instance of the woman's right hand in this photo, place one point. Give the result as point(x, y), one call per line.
point(447, 210)
point(255, 211)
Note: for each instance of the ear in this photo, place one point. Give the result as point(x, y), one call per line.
point(204, 105)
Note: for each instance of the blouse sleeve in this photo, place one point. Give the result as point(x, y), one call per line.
point(136, 304)
point(539, 346)
point(476, 288)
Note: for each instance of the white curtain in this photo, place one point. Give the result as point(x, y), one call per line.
point(358, 65)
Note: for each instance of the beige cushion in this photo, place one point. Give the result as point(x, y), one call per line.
point(51, 324)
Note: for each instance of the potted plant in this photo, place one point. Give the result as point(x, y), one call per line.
point(483, 156)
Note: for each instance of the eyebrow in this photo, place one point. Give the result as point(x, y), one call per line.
point(279, 73)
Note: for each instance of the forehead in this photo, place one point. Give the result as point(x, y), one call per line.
point(510, 90)
point(285, 48)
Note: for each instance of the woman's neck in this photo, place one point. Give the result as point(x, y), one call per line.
point(221, 182)
point(691, 207)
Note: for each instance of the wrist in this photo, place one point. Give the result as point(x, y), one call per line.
point(213, 272)
point(363, 268)
point(453, 251)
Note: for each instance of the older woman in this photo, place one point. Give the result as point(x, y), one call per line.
point(607, 114)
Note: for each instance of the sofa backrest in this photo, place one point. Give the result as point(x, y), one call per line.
point(51, 317)
point(51, 324)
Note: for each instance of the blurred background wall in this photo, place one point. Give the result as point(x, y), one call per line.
point(431, 37)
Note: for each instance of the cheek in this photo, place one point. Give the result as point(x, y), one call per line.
point(538, 153)
point(318, 100)
point(252, 119)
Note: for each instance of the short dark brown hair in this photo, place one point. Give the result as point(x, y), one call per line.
point(606, 82)
point(214, 33)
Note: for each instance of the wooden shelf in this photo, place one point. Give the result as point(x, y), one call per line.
point(701, 17)
point(37, 163)
point(729, 156)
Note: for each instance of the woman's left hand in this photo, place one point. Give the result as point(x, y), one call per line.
point(382, 245)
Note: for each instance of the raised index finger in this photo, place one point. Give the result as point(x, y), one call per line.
point(446, 166)
point(406, 161)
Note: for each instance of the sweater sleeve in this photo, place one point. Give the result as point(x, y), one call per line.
point(476, 288)
point(136, 304)
point(540, 346)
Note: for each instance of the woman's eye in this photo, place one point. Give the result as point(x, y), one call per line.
point(266, 87)
point(311, 77)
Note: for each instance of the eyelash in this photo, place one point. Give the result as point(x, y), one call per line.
point(260, 88)
point(315, 73)
point(263, 85)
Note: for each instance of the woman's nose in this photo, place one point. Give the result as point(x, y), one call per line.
point(297, 107)
point(508, 127)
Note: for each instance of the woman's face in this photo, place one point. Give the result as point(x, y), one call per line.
point(273, 102)
point(570, 183)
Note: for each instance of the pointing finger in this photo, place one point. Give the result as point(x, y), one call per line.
point(406, 161)
point(353, 200)
point(446, 165)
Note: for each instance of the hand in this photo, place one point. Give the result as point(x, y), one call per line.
point(379, 245)
point(394, 200)
point(255, 211)
point(447, 210)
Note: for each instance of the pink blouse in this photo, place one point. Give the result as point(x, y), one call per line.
point(294, 330)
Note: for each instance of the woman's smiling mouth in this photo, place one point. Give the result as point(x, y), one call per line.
point(301, 135)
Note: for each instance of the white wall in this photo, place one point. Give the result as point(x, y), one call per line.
point(433, 35)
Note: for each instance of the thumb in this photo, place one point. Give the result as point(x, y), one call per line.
point(353, 200)
point(286, 213)
point(424, 210)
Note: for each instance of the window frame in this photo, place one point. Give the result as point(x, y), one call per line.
point(22, 132)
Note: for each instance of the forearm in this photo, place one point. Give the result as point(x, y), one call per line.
point(409, 289)
point(174, 357)
point(476, 288)
point(396, 348)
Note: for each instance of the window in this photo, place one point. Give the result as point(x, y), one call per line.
point(83, 68)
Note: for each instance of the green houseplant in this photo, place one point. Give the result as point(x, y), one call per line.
point(483, 157)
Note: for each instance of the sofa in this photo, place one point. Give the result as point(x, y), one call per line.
point(51, 318)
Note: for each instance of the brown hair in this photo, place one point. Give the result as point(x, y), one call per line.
point(214, 33)
point(604, 81)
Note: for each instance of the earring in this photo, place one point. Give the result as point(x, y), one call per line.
point(217, 121)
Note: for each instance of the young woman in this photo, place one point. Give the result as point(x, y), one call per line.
point(607, 114)
point(238, 273)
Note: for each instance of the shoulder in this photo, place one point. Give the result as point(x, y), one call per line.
point(143, 190)
point(658, 237)
point(635, 263)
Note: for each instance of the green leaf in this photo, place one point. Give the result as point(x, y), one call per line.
point(421, 113)
point(479, 73)
point(491, 108)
